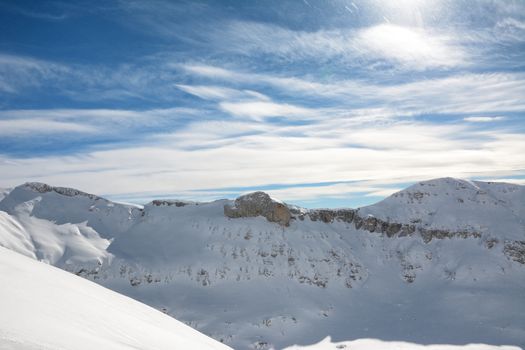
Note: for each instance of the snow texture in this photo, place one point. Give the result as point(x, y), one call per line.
point(441, 262)
point(44, 308)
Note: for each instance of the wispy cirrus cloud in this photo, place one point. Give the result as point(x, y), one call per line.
point(253, 154)
point(409, 47)
point(99, 116)
point(302, 100)
point(210, 92)
point(19, 72)
point(146, 79)
point(262, 109)
point(29, 127)
point(50, 11)
point(483, 119)
point(70, 131)
point(465, 93)
point(458, 93)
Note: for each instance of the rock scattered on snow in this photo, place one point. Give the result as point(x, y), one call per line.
point(65, 191)
point(515, 251)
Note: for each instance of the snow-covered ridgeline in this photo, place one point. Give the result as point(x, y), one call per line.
point(206, 263)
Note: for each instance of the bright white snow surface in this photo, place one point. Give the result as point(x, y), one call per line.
point(44, 308)
point(254, 284)
point(374, 344)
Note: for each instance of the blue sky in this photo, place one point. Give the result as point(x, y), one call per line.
point(320, 103)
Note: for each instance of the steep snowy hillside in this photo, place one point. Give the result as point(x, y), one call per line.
point(440, 262)
point(45, 308)
point(60, 225)
point(4, 192)
point(65, 205)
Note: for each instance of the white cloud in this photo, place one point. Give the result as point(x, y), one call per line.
point(210, 92)
point(19, 127)
point(460, 94)
point(262, 109)
point(363, 129)
point(147, 78)
point(241, 154)
point(466, 93)
point(385, 192)
point(338, 190)
point(510, 29)
point(404, 136)
point(413, 47)
point(483, 119)
point(210, 71)
point(85, 120)
point(94, 113)
point(280, 82)
point(18, 72)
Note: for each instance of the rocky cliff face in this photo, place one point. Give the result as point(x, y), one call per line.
point(259, 204)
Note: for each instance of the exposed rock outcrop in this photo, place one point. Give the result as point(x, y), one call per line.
point(171, 203)
point(259, 204)
point(329, 215)
point(373, 224)
point(65, 191)
point(515, 251)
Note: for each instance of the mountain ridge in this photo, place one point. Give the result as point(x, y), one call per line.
point(378, 264)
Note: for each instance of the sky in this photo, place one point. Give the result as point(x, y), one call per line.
point(328, 103)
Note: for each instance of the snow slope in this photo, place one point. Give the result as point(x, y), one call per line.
point(4, 192)
point(45, 308)
point(487, 207)
point(374, 344)
point(435, 263)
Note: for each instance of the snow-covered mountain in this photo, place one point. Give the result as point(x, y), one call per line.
point(44, 308)
point(440, 262)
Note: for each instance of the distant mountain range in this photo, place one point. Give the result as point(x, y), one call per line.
point(442, 261)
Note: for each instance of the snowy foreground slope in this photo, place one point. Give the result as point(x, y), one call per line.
point(442, 262)
point(45, 308)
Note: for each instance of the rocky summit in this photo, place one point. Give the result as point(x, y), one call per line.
point(259, 204)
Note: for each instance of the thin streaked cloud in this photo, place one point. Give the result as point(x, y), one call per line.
point(29, 127)
point(316, 102)
point(483, 119)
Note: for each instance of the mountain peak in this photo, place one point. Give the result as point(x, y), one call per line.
point(449, 182)
point(65, 191)
point(448, 203)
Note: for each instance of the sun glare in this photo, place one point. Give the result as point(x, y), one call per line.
point(410, 45)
